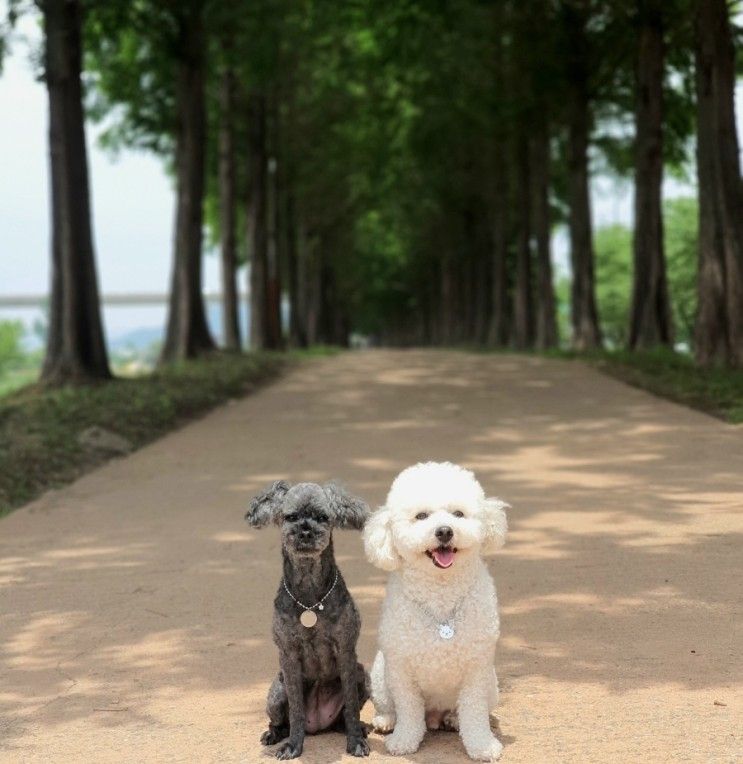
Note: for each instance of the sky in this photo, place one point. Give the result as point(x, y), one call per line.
point(131, 196)
point(132, 201)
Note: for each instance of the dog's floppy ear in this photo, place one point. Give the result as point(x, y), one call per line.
point(265, 507)
point(348, 511)
point(378, 545)
point(495, 523)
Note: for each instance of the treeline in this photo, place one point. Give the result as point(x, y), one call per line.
point(396, 168)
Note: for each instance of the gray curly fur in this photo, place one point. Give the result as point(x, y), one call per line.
point(321, 659)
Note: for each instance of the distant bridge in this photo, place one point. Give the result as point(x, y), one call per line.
point(134, 298)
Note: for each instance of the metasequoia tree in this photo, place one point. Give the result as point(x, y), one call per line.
point(75, 349)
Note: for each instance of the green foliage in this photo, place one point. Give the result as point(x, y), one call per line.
point(672, 375)
point(681, 218)
point(11, 351)
point(613, 246)
point(395, 121)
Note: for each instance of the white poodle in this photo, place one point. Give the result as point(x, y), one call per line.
point(440, 616)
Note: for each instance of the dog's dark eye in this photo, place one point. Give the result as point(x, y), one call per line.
point(458, 513)
point(290, 518)
point(322, 517)
point(421, 516)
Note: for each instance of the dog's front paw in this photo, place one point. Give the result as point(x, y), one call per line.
point(399, 745)
point(489, 752)
point(383, 723)
point(273, 735)
point(356, 745)
point(289, 751)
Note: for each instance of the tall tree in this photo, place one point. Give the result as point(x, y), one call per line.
point(539, 48)
point(650, 319)
point(523, 297)
point(498, 330)
point(273, 338)
point(148, 68)
point(75, 349)
point(187, 334)
point(586, 331)
point(257, 221)
point(546, 320)
point(719, 326)
point(228, 200)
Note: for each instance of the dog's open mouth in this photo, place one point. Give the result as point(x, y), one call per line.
point(442, 556)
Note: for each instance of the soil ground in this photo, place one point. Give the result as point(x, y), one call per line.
point(135, 604)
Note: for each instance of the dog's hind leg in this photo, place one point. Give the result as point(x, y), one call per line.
point(384, 709)
point(364, 684)
point(494, 692)
point(277, 708)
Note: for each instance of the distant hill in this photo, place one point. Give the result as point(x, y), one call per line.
point(143, 337)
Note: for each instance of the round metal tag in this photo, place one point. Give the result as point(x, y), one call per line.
point(308, 619)
point(445, 631)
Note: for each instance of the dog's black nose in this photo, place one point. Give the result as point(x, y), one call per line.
point(305, 533)
point(444, 534)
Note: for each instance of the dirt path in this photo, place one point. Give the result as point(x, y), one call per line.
point(135, 605)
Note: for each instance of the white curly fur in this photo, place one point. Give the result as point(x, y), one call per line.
point(417, 675)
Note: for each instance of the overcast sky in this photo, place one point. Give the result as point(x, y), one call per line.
point(132, 198)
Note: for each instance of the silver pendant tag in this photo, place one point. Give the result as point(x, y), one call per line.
point(308, 619)
point(445, 631)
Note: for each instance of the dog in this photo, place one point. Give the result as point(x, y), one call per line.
point(440, 624)
point(316, 625)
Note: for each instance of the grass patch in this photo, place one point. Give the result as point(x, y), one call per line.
point(16, 379)
point(39, 429)
point(671, 375)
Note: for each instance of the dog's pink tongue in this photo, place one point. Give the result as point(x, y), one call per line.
point(444, 557)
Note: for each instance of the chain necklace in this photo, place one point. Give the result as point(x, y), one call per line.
point(445, 628)
point(309, 617)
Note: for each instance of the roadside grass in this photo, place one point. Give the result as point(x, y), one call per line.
point(716, 391)
point(40, 429)
point(16, 378)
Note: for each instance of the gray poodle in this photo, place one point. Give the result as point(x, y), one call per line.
point(316, 625)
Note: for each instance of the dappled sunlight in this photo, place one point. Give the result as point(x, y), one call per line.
point(232, 537)
point(150, 605)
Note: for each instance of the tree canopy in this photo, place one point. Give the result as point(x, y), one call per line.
point(396, 168)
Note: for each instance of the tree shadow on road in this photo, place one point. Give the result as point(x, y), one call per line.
point(622, 568)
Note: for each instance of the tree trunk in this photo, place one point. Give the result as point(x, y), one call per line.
point(523, 331)
point(75, 350)
point(498, 325)
point(187, 333)
point(546, 321)
point(257, 222)
point(468, 263)
point(586, 331)
point(297, 328)
point(273, 338)
point(447, 302)
point(719, 328)
point(498, 330)
point(228, 210)
point(482, 276)
point(311, 280)
point(650, 319)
